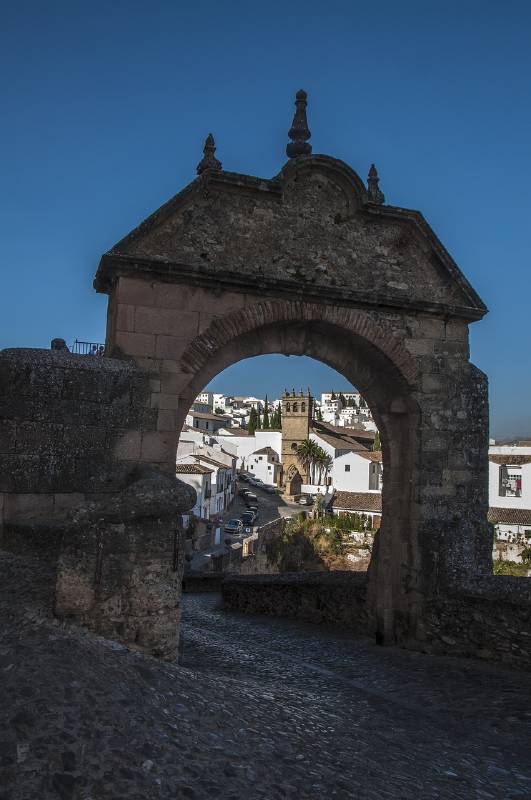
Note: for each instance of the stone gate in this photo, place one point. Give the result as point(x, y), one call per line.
point(311, 262)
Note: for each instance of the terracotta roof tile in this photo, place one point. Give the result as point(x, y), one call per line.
point(510, 516)
point(192, 469)
point(509, 459)
point(358, 501)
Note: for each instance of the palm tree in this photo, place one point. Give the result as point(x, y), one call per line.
point(308, 454)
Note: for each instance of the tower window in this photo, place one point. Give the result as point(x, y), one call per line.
point(303, 406)
point(294, 445)
point(295, 406)
point(288, 406)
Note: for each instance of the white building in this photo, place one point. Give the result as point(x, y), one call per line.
point(510, 492)
point(210, 423)
point(265, 465)
point(205, 399)
point(199, 478)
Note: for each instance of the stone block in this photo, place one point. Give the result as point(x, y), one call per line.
point(171, 347)
point(166, 321)
point(28, 505)
point(158, 446)
point(63, 501)
point(128, 445)
point(166, 420)
point(169, 401)
point(8, 437)
point(135, 292)
point(136, 344)
point(125, 317)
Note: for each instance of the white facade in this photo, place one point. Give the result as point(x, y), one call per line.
point(206, 399)
point(265, 465)
point(510, 496)
point(353, 472)
point(199, 478)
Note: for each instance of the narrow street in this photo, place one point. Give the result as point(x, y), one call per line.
point(257, 709)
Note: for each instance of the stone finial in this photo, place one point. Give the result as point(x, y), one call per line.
point(58, 344)
point(299, 132)
point(209, 160)
point(374, 193)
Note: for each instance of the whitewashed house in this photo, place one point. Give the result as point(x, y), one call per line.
point(510, 492)
point(265, 465)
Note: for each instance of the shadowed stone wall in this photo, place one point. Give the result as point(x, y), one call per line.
point(74, 494)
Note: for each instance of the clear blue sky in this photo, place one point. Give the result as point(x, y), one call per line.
point(106, 105)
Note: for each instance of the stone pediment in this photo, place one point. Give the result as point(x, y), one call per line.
point(310, 230)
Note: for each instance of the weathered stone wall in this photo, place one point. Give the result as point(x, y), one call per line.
point(68, 427)
point(488, 617)
point(76, 494)
point(332, 598)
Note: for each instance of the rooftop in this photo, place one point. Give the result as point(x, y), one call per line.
point(510, 516)
point(192, 469)
point(358, 501)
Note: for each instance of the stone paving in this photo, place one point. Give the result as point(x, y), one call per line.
point(258, 709)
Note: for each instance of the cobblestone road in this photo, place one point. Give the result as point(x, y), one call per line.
point(259, 709)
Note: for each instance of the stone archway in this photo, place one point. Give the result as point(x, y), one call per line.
point(311, 263)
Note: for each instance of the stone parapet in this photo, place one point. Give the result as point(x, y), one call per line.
point(332, 598)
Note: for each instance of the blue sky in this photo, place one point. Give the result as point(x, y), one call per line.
point(106, 105)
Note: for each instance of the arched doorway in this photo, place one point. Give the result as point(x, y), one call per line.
point(309, 264)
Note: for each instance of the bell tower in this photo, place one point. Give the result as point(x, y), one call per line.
point(296, 420)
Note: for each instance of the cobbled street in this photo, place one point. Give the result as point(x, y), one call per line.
point(258, 709)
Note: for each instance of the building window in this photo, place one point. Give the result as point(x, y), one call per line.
point(303, 406)
point(347, 467)
point(295, 406)
point(288, 406)
point(294, 446)
point(196, 423)
point(510, 481)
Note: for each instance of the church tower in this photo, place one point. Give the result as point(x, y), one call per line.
point(296, 422)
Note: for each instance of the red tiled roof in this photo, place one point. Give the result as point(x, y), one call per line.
point(510, 459)
point(357, 501)
point(510, 516)
point(192, 469)
point(371, 455)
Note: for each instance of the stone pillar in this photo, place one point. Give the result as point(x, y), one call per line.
point(121, 561)
point(123, 581)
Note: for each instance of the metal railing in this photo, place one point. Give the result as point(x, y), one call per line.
point(88, 348)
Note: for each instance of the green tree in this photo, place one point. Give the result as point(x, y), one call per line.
point(333, 395)
point(308, 454)
point(265, 420)
point(377, 445)
point(363, 404)
point(253, 422)
point(218, 410)
point(258, 419)
point(343, 399)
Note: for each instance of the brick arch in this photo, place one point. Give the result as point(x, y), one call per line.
point(280, 312)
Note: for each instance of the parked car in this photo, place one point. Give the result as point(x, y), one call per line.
point(269, 488)
point(305, 500)
point(250, 498)
point(243, 477)
point(259, 483)
point(248, 517)
point(233, 526)
point(255, 509)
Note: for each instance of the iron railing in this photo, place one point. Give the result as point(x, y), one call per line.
point(88, 348)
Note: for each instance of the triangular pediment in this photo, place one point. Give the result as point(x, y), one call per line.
point(311, 228)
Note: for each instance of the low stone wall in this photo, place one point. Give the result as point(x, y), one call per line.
point(487, 617)
point(202, 582)
point(333, 598)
